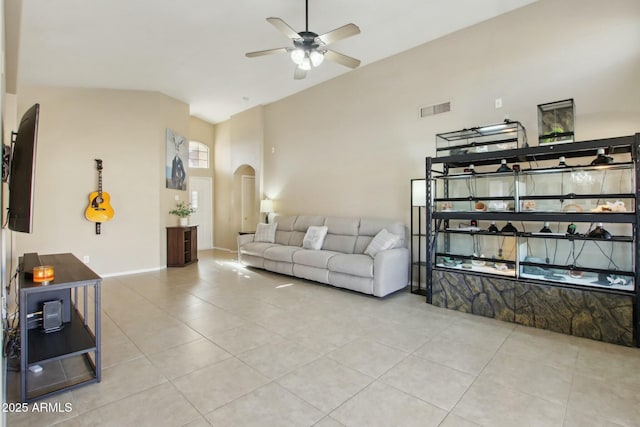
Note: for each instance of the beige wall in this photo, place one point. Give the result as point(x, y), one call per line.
point(238, 144)
point(126, 129)
point(350, 146)
point(224, 237)
point(203, 132)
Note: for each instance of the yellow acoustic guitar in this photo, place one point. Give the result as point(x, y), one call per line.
point(99, 209)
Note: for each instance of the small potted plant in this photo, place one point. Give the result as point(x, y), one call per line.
point(182, 211)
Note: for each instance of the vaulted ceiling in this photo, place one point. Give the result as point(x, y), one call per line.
point(193, 50)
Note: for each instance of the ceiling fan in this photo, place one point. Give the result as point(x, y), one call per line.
point(309, 49)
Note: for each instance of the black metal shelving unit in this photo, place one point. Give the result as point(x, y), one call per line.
point(437, 221)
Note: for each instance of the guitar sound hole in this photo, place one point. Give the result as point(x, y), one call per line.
point(95, 204)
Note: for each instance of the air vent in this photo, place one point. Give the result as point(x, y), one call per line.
point(435, 109)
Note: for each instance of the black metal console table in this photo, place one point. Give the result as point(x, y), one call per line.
point(53, 362)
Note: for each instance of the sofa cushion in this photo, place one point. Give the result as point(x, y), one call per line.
point(311, 258)
point(303, 222)
point(296, 238)
point(265, 233)
point(255, 248)
point(339, 243)
point(299, 228)
point(383, 241)
point(370, 227)
point(354, 264)
point(280, 253)
point(361, 244)
point(285, 228)
point(343, 226)
point(285, 222)
point(314, 237)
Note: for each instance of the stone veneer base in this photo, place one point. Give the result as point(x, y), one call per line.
point(584, 313)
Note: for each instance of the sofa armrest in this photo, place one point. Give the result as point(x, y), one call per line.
point(390, 271)
point(243, 239)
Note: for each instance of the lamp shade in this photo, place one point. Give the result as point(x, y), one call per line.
point(266, 206)
point(419, 192)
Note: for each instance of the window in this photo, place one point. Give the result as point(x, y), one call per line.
point(198, 155)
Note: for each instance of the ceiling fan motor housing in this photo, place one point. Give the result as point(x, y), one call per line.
point(307, 41)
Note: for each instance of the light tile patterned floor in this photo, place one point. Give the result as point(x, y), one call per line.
point(218, 344)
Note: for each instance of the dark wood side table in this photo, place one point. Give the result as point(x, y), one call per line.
point(182, 245)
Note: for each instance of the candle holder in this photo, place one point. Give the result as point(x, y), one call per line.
point(43, 274)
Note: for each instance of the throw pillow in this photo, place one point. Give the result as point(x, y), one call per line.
point(314, 237)
point(265, 233)
point(383, 241)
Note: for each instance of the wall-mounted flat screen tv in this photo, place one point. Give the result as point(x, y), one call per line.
point(23, 172)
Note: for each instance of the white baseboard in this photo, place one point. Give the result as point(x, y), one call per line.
point(225, 250)
point(125, 273)
point(162, 267)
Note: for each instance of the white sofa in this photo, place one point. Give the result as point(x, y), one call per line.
point(341, 261)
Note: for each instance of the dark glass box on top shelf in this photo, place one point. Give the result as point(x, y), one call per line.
point(516, 232)
point(556, 122)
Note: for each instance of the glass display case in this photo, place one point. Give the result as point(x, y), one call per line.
point(467, 248)
point(556, 122)
point(475, 192)
point(481, 139)
point(578, 189)
point(604, 261)
point(585, 254)
point(521, 233)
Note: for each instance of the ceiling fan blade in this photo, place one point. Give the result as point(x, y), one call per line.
point(299, 74)
point(284, 28)
point(345, 60)
point(266, 52)
point(339, 34)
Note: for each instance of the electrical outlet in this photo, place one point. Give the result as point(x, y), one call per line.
point(86, 259)
point(273, 150)
point(498, 102)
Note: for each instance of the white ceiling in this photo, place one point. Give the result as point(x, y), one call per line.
point(193, 50)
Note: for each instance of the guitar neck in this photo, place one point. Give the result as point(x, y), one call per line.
point(99, 167)
point(100, 182)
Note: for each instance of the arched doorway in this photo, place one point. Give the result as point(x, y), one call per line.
point(245, 199)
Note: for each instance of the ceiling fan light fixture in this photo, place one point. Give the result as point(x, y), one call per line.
point(297, 56)
point(305, 64)
point(310, 49)
point(316, 57)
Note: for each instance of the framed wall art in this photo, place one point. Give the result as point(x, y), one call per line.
point(176, 162)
